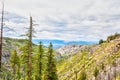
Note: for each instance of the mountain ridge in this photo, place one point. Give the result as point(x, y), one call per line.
point(60, 43)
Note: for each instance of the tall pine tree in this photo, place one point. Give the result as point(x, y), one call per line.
point(1, 34)
point(51, 72)
point(15, 62)
point(27, 52)
point(39, 63)
point(24, 59)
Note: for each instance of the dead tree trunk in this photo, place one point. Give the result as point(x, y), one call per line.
point(30, 50)
point(1, 35)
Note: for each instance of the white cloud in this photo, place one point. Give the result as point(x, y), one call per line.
point(65, 19)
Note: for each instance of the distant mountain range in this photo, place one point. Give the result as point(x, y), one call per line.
point(59, 43)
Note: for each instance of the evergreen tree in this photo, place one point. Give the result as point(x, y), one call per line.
point(39, 65)
point(101, 41)
point(51, 66)
point(83, 75)
point(14, 59)
point(24, 60)
point(27, 56)
point(96, 72)
point(75, 72)
point(27, 51)
point(18, 69)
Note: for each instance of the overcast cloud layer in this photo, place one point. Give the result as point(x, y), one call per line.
point(88, 20)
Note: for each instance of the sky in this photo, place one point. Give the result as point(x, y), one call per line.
point(69, 20)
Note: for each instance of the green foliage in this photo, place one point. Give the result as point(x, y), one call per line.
point(102, 66)
point(96, 72)
point(14, 59)
point(75, 72)
point(101, 41)
point(15, 62)
point(51, 72)
point(39, 62)
point(112, 37)
point(83, 75)
point(24, 59)
point(6, 74)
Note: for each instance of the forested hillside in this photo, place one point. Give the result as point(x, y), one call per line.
point(76, 62)
point(60, 40)
point(10, 44)
point(15, 59)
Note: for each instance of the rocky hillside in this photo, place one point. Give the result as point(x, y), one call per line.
point(10, 44)
point(72, 49)
point(99, 62)
point(69, 49)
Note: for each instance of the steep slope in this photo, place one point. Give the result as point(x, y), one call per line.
point(72, 49)
point(69, 49)
point(10, 44)
point(101, 62)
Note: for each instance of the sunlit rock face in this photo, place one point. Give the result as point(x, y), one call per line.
point(69, 49)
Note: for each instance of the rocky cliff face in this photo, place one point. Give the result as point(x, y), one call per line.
point(72, 49)
point(69, 49)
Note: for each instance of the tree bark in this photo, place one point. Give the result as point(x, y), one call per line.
point(1, 35)
point(30, 50)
